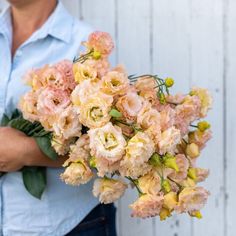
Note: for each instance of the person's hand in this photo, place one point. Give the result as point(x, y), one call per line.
point(12, 149)
point(18, 150)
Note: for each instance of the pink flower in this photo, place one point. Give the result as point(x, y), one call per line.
point(169, 140)
point(28, 106)
point(147, 206)
point(187, 112)
point(202, 174)
point(108, 190)
point(101, 66)
point(167, 118)
point(52, 101)
point(192, 199)
point(101, 42)
point(129, 105)
point(59, 76)
point(67, 123)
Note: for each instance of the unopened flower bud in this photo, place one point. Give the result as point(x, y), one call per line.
point(96, 55)
point(203, 125)
point(162, 98)
point(92, 162)
point(166, 186)
point(196, 214)
point(192, 173)
point(169, 82)
point(164, 213)
point(170, 161)
point(192, 150)
point(155, 160)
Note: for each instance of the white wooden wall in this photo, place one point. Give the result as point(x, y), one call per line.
point(193, 41)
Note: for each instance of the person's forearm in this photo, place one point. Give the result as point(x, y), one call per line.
point(35, 157)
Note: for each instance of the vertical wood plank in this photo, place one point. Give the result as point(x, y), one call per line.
point(230, 111)
point(171, 57)
point(207, 71)
point(133, 50)
point(72, 6)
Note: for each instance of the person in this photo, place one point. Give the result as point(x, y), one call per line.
point(34, 33)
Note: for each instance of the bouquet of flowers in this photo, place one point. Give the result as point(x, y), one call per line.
point(122, 130)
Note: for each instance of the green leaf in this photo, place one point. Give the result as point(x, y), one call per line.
point(45, 146)
point(34, 179)
point(5, 120)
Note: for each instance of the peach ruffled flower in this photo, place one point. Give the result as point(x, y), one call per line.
point(202, 174)
point(68, 124)
point(77, 173)
point(187, 112)
point(200, 138)
point(108, 190)
point(84, 72)
point(192, 199)
point(107, 143)
point(100, 42)
point(94, 113)
point(79, 150)
point(115, 83)
point(102, 66)
point(169, 140)
point(150, 183)
point(148, 117)
point(52, 101)
point(129, 105)
point(28, 106)
point(205, 98)
point(61, 145)
point(183, 164)
point(145, 83)
point(167, 117)
point(147, 205)
point(138, 151)
point(84, 91)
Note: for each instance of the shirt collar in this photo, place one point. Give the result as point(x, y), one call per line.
point(54, 26)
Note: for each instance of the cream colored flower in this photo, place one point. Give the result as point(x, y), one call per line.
point(79, 150)
point(68, 124)
point(205, 97)
point(115, 83)
point(169, 140)
point(138, 151)
point(145, 83)
point(148, 117)
point(147, 206)
point(129, 105)
point(61, 145)
point(84, 72)
point(202, 174)
point(183, 165)
point(84, 91)
point(108, 190)
point(150, 183)
point(77, 173)
point(95, 112)
point(107, 142)
point(192, 199)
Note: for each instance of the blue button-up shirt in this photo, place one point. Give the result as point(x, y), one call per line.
point(62, 207)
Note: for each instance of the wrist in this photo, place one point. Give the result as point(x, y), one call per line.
point(29, 151)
